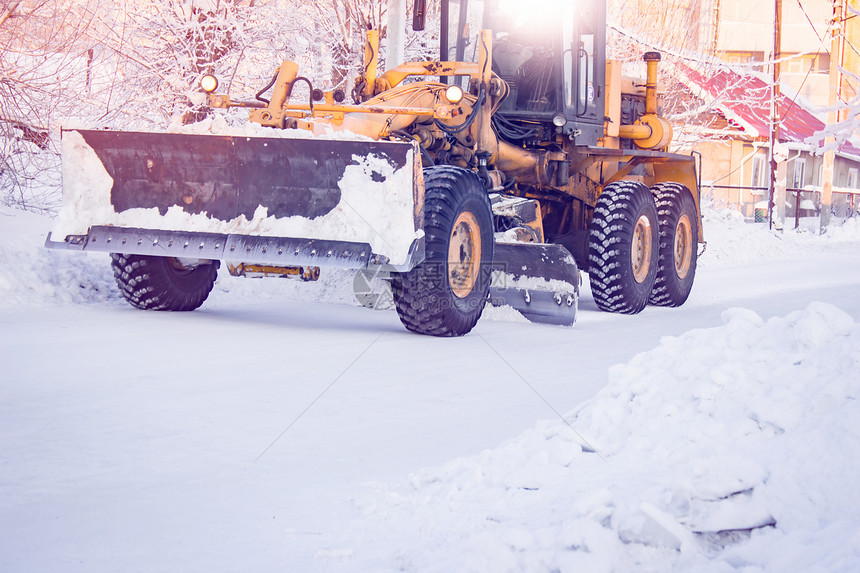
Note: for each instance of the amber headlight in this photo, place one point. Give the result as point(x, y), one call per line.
point(209, 83)
point(454, 94)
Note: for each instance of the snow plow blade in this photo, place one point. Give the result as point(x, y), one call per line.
point(328, 202)
point(539, 280)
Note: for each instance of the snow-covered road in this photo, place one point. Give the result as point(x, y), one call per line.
point(243, 436)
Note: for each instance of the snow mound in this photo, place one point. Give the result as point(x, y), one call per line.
point(722, 449)
point(31, 275)
point(732, 240)
point(845, 230)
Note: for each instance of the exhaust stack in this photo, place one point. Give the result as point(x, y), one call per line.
point(650, 131)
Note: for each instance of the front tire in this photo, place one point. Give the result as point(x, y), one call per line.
point(622, 247)
point(163, 283)
point(679, 238)
point(445, 294)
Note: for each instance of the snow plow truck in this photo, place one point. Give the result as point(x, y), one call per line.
point(493, 175)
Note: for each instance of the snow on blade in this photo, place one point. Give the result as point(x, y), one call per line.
point(376, 205)
point(218, 125)
point(730, 444)
point(510, 280)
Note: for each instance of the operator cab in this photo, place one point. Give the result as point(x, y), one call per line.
point(552, 55)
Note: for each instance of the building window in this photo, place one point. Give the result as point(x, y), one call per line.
point(852, 178)
point(736, 57)
point(796, 65)
point(799, 172)
point(758, 171)
point(806, 63)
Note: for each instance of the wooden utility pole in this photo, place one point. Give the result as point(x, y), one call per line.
point(777, 161)
point(715, 40)
point(837, 50)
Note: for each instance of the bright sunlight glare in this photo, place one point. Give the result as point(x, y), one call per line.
point(532, 14)
point(533, 10)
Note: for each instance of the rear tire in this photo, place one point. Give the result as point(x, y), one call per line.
point(163, 283)
point(622, 249)
point(679, 239)
point(445, 294)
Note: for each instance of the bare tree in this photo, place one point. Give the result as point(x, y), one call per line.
point(681, 30)
point(339, 28)
point(43, 61)
point(164, 46)
point(113, 63)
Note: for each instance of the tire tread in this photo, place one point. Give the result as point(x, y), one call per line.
point(147, 283)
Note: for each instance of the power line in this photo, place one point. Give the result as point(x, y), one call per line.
point(808, 19)
point(702, 58)
point(850, 44)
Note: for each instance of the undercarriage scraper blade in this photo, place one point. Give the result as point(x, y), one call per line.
point(539, 280)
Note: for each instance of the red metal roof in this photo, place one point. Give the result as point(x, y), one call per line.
point(746, 100)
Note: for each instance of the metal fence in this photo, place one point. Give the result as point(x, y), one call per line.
point(799, 203)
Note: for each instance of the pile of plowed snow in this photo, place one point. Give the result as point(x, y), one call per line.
point(723, 449)
point(31, 275)
point(732, 240)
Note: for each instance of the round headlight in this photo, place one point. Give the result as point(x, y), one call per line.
point(209, 83)
point(559, 121)
point(454, 94)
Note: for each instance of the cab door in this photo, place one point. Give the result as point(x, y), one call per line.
point(584, 69)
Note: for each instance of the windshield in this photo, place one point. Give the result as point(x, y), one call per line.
point(533, 18)
point(526, 50)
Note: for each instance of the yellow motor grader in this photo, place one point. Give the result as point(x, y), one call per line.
point(493, 174)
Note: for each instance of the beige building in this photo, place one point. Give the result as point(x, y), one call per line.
point(744, 34)
point(736, 173)
point(736, 164)
point(735, 138)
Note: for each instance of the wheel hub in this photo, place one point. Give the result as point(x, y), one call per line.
point(640, 252)
point(464, 254)
point(683, 247)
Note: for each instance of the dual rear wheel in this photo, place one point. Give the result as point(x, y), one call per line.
point(642, 246)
